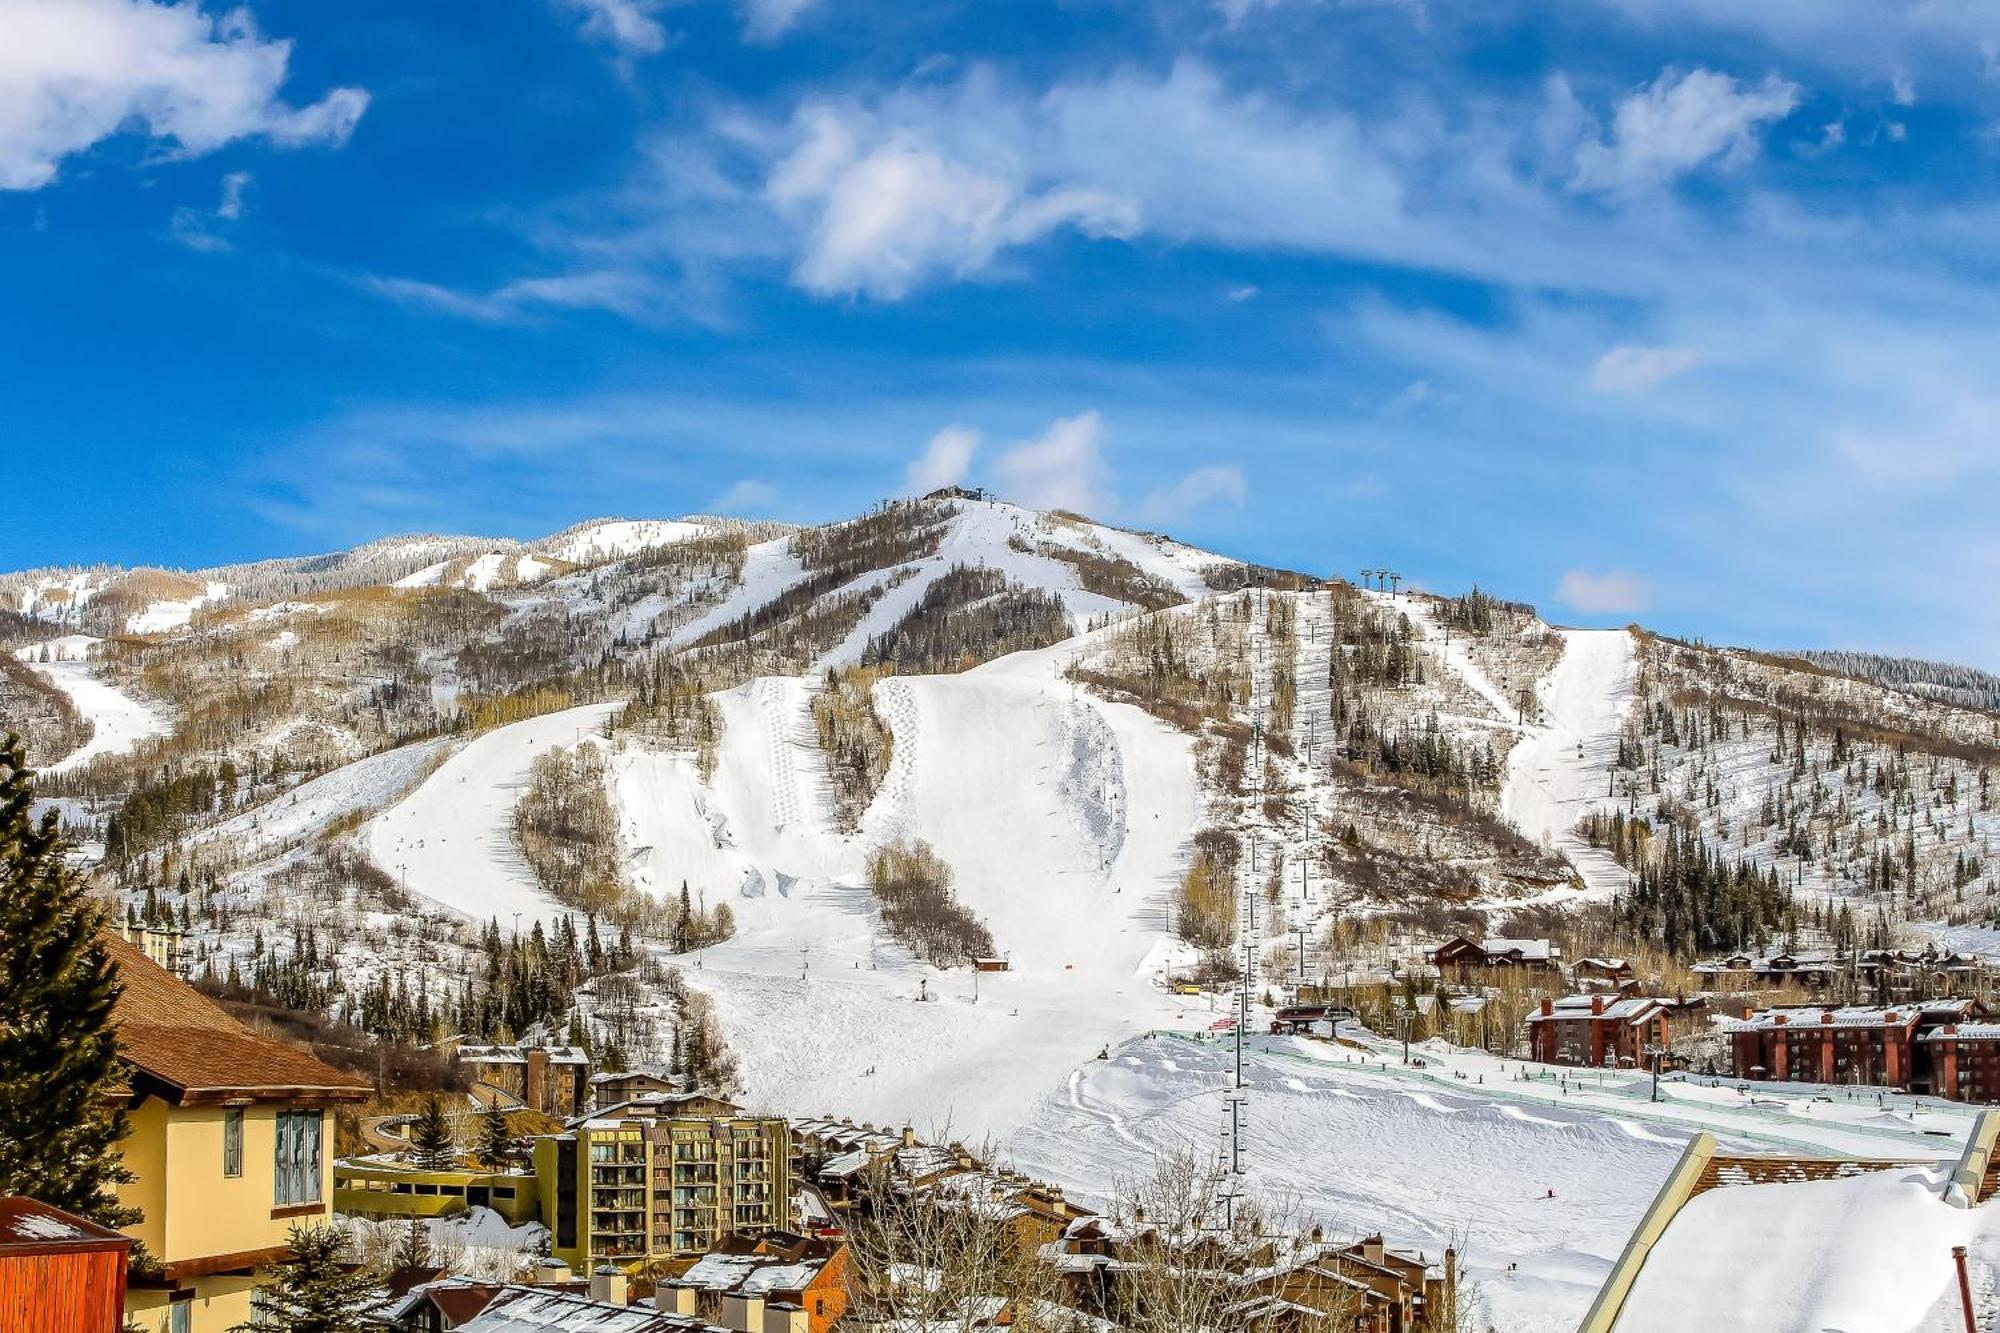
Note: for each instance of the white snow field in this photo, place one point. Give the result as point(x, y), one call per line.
point(1063, 838)
point(307, 809)
point(451, 840)
point(1434, 1156)
point(609, 538)
point(1561, 767)
point(120, 721)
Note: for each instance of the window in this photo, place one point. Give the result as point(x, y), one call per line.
point(180, 1317)
point(296, 1178)
point(232, 1141)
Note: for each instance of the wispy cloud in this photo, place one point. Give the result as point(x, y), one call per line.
point(944, 461)
point(1202, 486)
point(745, 496)
point(627, 26)
point(1062, 468)
point(1629, 369)
point(1679, 122)
point(1611, 593)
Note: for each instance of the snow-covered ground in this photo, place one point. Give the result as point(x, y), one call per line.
point(1562, 765)
point(120, 721)
point(610, 538)
point(365, 784)
point(161, 617)
point(1460, 1152)
point(452, 841)
point(1063, 839)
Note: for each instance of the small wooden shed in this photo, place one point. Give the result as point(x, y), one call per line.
point(58, 1271)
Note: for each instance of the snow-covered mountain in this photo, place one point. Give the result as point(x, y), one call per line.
point(344, 771)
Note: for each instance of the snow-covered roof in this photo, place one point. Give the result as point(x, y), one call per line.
point(750, 1274)
point(1867, 1251)
point(1530, 950)
point(1625, 1008)
point(1814, 1016)
point(1965, 1032)
point(541, 1310)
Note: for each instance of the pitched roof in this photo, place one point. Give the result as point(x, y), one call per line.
point(183, 1045)
point(31, 1225)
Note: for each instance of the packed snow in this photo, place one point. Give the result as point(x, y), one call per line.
point(1561, 768)
point(68, 648)
point(164, 617)
point(610, 538)
point(452, 840)
point(120, 721)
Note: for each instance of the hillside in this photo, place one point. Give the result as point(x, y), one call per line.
point(648, 783)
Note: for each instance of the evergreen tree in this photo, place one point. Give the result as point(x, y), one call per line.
point(496, 1145)
point(431, 1146)
point(414, 1250)
point(59, 1121)
point(314, 1291)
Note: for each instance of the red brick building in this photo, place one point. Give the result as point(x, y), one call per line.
point(1965, 1061)
point(58, 1271)
point(1857, 1045)
point(1594, 1030)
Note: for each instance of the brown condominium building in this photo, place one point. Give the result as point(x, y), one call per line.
point(1869, 1046)
point(228, 1147)
point(1599, 1030)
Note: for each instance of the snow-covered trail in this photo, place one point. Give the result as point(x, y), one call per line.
point(1064, 820)
point(1561, 767)
point(452, 839)
point(121, 721)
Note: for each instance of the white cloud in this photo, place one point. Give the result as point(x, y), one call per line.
point(1245, 292)
point(767, 20)
point(748, 494)
point(1059, 469)
point(944, 460)
point(882, 212)
point(74, 72)
point(199, 230)
point(1612, 593)
point(634, 296)
point(1627, 368)
point(627, 25)
point(1202, 486)
point(1678, 123)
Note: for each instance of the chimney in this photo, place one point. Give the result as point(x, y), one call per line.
point(743, 1312)
point(607, 1285)
point(1747, 1011)
point(675, 1299)
point(909, 1137)
point(1597, 1004)
point(1372, 1249)
point(1548, 1006)
point(550, 1272)
point(537, 1077)
point(1826, 1017)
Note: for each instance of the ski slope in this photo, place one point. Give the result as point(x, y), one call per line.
point(1562, 765)
point(120, 721)
point(452, 839)
point(1064, 837)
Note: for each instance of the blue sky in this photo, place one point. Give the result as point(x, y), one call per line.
point(1686, 312)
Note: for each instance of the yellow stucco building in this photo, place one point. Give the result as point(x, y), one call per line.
point(230, 1145)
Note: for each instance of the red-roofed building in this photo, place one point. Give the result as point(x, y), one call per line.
point(1596, 1030)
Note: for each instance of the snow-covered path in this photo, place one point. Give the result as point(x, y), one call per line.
point(1561, 766)
point(121, 721)
point(451, 840)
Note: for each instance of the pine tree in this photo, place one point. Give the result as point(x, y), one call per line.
point(314, 1291)
point(414, 1250)
point(496, 1145)
point(59, 1121)
point(431, 1146)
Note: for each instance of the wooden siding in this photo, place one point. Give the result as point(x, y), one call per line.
point(77, 1291)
